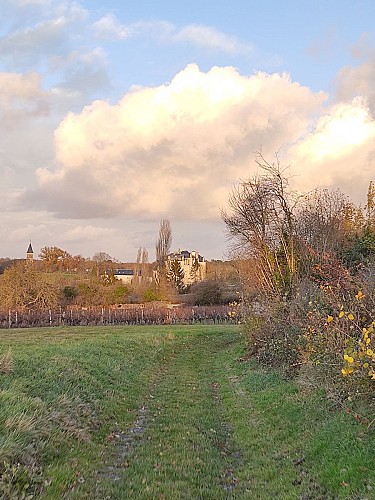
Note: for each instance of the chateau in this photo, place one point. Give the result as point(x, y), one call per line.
point(192, 264)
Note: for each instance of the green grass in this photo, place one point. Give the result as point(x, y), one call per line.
point(167, 412)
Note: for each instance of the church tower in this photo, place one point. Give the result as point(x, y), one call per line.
point(30, 253)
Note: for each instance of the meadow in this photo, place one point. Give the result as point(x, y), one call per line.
point(168, 412)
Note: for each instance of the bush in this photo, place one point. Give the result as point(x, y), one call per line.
point(207, 293)
point(120, 294)
point(70, 293)
point(271, 336)
point(150, 295)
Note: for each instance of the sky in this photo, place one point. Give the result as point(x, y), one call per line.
point(116, 114)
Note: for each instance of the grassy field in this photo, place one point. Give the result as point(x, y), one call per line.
point(167, 413)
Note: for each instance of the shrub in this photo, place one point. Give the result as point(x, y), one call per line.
point(271, 336)
point(70, 292)
point(150, 295)
point(207, 293)
point(120, 294)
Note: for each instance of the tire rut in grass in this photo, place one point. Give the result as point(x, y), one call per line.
point(230, 453)
point(125, 442)
point(170, 390)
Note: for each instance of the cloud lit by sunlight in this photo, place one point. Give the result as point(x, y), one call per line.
point(173, 149)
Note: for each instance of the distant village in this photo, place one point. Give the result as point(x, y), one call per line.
point(193, 266)
point(54, 278)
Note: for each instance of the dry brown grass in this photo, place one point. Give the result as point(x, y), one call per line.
point(6, 362)
point(21, 423)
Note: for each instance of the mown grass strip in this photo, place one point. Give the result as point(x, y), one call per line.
point(295, 444)
point(78, 385)
point(181, 454)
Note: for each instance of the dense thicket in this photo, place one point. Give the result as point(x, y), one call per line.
point(310, 301)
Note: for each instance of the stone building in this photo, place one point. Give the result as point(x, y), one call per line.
point(193, 265)
point(30, 253)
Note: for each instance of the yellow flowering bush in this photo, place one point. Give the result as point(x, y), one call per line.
point(234, 312)
point(360, 356)
point(359, 353)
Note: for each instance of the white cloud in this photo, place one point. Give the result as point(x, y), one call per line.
point(209, 37)
point(24, 3)
point(87, 233)
point(339, 132)
point(50, 30)
point(109, 28)
point(353, 81)
point(9, 199)
point(23, 232)
point(21, 98)
point(338, 151)
point(175, 149)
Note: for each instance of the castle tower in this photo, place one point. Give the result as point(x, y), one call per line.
point(30, 253)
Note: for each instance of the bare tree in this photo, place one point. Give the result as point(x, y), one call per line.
point(102, 260)
point(261, 225)
point(103, 257)
point(325, 217)
point(137, 268)
point(163, 244)
point(144, 265)
point(370, 206)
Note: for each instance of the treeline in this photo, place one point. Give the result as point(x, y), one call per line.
point(25, 285)
point(310, 298)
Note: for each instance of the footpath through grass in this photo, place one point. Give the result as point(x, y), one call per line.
point(167, 413)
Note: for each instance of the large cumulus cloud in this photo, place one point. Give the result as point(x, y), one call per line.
point(338, 151)
point(174, 150)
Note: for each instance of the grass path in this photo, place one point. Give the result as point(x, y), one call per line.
point(171, 413)
point(183, 451)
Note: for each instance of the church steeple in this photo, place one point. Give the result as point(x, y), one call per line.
point(30, 253)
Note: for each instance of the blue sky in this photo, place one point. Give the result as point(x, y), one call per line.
point(116, 114)
point(311, 40)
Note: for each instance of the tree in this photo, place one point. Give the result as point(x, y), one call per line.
point(328, 227)
point(70, 293)
point(54, 258)
point(137, 268)
point(22, 287)
point(194, 270)
point(370, 206)
point(162, 249)
point(163, 244)
point(175, 275)
point(144, 266)
point(207, 293)
point(101, 257)
point(102, 260)
point(324, 219)
point(261, 225)
point(120, 294)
